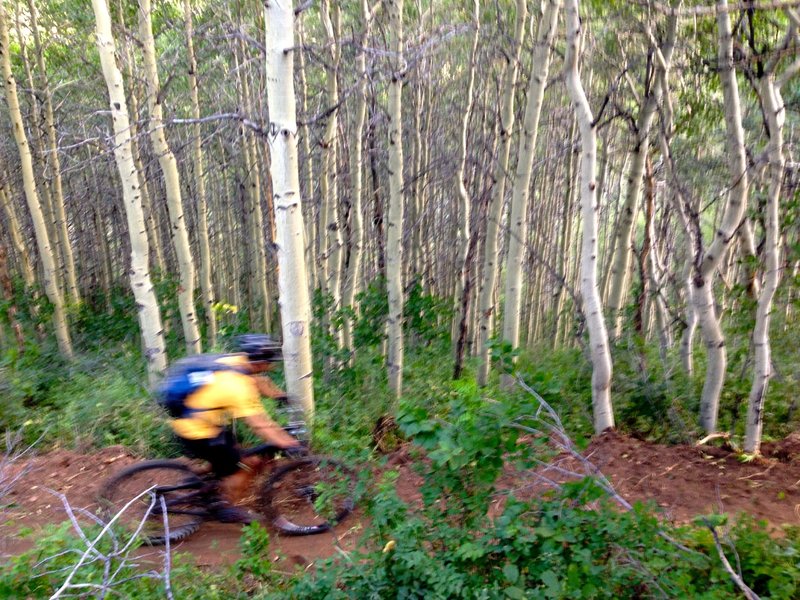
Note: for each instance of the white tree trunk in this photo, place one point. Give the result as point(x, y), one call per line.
point(292, 276)
point(775, 113)
point(518, 237)
point(394, 225)
point(206, 287)
point(464, 201)
point(592, 306)
point(15, 232)
point(330, 165)
point(172, 184)
point(351, 282)
point(149, 313)
point(703, 279)
point(490, 251)
point(55, 164)
point(32, 197)
point(620, 283)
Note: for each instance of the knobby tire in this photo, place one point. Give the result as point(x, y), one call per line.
point(309, 495)
point(176, 482)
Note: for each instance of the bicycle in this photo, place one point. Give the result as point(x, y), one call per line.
point(307, 495)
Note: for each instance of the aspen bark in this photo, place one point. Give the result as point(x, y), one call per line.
point(55, 164)
point(703, 279)
point(258, 282)
point(12, 222)
point(333, 256)
point(464, 201)
point(309, 217)
point(394, 225)
point(169, 167)
point(32, 196)
point(592, 307)
point(36, 144)
point(351, 282)
point(571, 185)
point(619, 283)
point(7, 294)
point(518, 236)
point(775, 113)
point(148, 310)
point(490, 250)
point(206, 287)
point(292, 277)
point(153, 232)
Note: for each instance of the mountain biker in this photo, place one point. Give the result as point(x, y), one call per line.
point(205, 429)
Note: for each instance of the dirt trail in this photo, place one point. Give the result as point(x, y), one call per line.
point(684, 481)
point(78, 477)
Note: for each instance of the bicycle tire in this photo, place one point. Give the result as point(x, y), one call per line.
point(309, 495)
point(180, 487)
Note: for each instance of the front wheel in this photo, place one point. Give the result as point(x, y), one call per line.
point(309, 495)
point(134, 498)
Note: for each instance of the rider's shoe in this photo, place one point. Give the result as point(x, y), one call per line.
point(233, 514)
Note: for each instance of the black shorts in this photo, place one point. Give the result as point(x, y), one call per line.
point(220, 451)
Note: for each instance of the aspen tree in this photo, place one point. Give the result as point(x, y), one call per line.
point(206, 287)
point(15, 233)
point(592, 307)
point(7, 294)
point(703, 277)
point(619, 284)
point(518, 235)
point(32, 197)
point(153, 232)
point(565, 238)
point(490, 252)
point(309, 217)
point(394, 224)
point(55, 162)
point(463, 207)
point(652, 267)
point(331, 235)
point(775, 115)
point(292, 277)
point(356, 176)
point(683, 209)
point(37, 146)
point(148, 311)
point(172, 185)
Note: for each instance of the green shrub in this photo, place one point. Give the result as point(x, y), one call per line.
point(570, 543)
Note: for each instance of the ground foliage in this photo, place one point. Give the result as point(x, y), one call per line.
point(574, 543)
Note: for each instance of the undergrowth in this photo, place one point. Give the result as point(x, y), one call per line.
point(568, 543)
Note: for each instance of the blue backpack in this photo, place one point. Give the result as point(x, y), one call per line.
point(185, 377)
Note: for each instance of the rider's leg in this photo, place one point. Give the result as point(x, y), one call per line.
point(223, 455)
point(236, 485)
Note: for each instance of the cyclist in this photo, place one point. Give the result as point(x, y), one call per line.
point(205, 429)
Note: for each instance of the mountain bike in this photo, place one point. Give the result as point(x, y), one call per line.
point(303, 494)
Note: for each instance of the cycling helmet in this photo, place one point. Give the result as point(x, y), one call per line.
point(258, 347)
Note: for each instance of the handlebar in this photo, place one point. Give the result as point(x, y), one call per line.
point(297, 429)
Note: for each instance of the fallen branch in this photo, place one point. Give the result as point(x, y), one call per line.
point(713, 436)
point(737, 579)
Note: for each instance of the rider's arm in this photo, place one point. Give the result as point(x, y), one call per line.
point(266, 387)
point(269, 431)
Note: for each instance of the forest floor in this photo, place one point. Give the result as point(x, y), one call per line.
point(684, 481)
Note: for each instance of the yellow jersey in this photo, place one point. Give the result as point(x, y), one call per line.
point(228, 395)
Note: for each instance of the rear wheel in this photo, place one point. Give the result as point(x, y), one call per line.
point(151, 486)
point(309, 495)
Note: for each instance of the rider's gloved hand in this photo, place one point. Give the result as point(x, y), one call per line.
point(301, 449)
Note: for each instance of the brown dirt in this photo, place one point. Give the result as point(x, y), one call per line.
point(78, 477)
point(684, 481)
